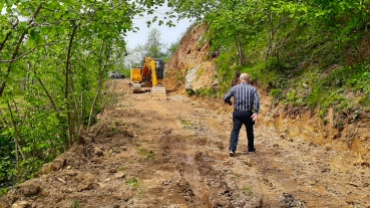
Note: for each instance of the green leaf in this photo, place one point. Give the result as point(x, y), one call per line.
point(1, 5)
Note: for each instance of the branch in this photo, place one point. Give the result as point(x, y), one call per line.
point(16, 132)
point(3, 85)
point(8, 35)
point(48, 94)
point(28, 52)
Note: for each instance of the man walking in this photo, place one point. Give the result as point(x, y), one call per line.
point(246, 107)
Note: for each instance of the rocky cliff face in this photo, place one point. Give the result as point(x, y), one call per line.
point(191, 67)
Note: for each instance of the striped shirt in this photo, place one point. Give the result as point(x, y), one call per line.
point(246, 98)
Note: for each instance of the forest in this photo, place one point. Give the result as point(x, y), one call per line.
point(54, 56)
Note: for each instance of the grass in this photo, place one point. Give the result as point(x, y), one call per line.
point(133, 181)
point(135, 125)
point(235, 174)
point(185, 123)
point(3, 191)
point(247, 190)
point(132, 161)
point(145, 152)
point(76, 204)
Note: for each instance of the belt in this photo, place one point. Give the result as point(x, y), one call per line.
point(243, 111)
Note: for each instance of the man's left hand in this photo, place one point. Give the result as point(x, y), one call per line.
point(254, 116)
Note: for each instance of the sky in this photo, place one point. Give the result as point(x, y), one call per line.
point(168, 35)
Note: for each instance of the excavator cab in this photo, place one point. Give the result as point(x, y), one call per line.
point(149, 77)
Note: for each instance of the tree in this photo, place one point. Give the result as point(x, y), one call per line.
point(53, 56)
point(230, 22)
point(152, 48)
point(154, 45)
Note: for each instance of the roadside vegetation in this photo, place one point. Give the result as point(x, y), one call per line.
point(54, 58)
point(311, 54)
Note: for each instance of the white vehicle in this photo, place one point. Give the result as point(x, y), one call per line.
point(116, 75)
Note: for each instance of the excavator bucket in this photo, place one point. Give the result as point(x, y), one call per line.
point(158, 92)
point(135, 87)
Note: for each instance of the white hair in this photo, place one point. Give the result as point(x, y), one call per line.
point(244, 77)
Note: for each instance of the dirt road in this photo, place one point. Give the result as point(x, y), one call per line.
point(173, 153)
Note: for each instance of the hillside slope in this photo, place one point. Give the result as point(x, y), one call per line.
point(342, 129)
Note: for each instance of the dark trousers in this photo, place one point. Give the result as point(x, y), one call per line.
point(240, 118)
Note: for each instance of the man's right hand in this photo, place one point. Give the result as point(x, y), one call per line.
point(254, 116)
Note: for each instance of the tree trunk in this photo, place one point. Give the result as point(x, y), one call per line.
point(66, 95)
point(240, 51)
point(100, 84)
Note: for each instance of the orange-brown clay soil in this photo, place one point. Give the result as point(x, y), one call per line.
point(174, 153)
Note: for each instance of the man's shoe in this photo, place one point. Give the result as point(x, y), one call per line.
point(232, 153)
point(253, 150)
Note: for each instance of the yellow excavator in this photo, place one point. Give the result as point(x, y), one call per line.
point(149, 77)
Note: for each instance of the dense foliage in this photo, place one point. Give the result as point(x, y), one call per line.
point(53, 58)
point(308, 53)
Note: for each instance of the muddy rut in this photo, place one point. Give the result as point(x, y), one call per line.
point(173, 153)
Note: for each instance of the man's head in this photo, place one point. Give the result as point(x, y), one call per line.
point(244, 77)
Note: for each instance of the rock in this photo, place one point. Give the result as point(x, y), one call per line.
point(66, 190)
point(127, 196)
point(96, 161)
point(215, 84)
point(123, 148)
point(28, 190)
point(328, 148)
point(69, 173)
point(85, 181)
point(22, 204)
point(275, 145)
point(112, 170)
point(58, 164)
point(325, 170)
point(312, 144)
point(98, 151)
point(81, 140)
point(191, 77)
point(247, 162)
point(198, 78)
point(119, 175)
point(288, 200)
